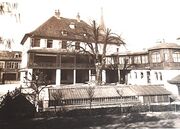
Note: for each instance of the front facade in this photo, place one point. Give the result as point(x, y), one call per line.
point(57, 48)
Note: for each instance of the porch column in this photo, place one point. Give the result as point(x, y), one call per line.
point(58, 77)
point(104, 76)
point(74, 77)
point(17, 76)
point(90, 77)
point(119, 76)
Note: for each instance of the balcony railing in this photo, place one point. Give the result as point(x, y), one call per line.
point(63, 65)
point(42, 64)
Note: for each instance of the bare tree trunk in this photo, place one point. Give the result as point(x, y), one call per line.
point(98, 75)
point(37, 102)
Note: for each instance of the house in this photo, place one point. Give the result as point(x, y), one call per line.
point(9, 67)
point(57, 48)
point(154, 66)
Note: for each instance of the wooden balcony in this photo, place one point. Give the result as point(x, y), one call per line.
point(84, 66)
point(62, 66)
point(67, 66)
point(43, 65)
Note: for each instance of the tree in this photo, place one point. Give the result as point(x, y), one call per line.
point(10, 8)
point(58, 98)
point(37, 84)
point(90, 91)
point(93, 41)
point(123, 69)
point(6, 42)
point(120, 93)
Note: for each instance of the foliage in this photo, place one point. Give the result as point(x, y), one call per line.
point(58, 98)
point(99, 53)
point(90, 91)
point(37, 82)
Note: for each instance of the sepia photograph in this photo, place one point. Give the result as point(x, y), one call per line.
point(89, 64)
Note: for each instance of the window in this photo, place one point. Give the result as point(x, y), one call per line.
point(64, 33)
point(12, 65)
point(77, 45)
point(156, 74)
point(156, 57)
point(162, 98)
point(64, 44)
point(35, 42)
point(148, 77)
point(144, 59)
point(121, 60)
point(135, 75)
point(2, 64)
point(137, 59)
point(129, 60)
point(49, 43)
point(72, 25)
point(142, 75)
point(109, 60)
point(176, 56)
point(149, 99)
point(160, 76)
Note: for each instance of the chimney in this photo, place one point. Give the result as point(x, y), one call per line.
point(78, 17)
point(57, 14)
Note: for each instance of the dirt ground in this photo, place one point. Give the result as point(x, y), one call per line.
point(125, 121)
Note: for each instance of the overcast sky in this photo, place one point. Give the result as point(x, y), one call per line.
point(141, 23)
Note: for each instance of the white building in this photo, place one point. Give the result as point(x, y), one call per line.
point(154, 66)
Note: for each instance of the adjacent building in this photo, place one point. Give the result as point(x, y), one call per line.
point(9, 67)
point(154, 66)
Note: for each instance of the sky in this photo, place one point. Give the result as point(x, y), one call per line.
point(141, 23)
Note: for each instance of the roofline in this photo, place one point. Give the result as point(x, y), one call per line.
point(25, 38)
point(60, 38)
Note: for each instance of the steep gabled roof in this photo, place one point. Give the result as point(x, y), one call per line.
point(67, 29)
point(57, 28)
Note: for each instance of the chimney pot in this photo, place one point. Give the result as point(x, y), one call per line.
point(57, 14)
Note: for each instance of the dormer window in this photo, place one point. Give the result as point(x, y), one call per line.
point(72, 25)
point(77, 45)
point(64, 32)
point(49, 43)
point(64, 44)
